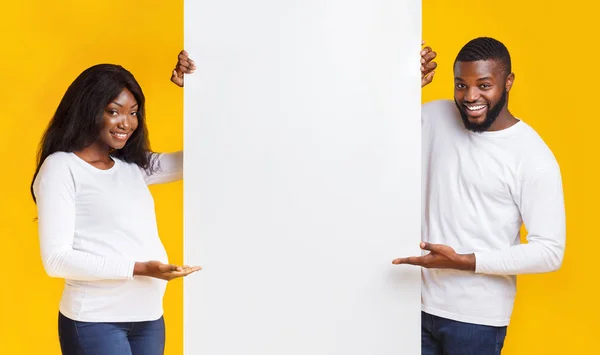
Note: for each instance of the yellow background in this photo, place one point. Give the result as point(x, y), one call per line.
point(45, 45)
point(553, 48)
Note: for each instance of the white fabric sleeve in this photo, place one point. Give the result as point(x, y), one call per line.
point(170, 168)
point(54, 189)
point(541, 203)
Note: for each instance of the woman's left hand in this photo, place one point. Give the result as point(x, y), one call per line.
point(185, 65)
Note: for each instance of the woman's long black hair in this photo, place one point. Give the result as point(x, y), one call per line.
point(79, 117)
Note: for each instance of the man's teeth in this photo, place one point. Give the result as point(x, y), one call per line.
point(475, 108)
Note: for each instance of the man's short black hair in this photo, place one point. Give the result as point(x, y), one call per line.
point(485, 48)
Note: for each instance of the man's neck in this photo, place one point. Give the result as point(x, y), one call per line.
point(505, 120)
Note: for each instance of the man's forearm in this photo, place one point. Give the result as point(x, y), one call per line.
point(530, 258)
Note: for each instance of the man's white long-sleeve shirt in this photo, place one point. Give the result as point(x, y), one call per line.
point(477, 191)
point(93, 226)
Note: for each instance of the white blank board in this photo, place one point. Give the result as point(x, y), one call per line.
point(302, 177)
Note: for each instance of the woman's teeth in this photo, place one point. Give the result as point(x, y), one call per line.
point(119, 135)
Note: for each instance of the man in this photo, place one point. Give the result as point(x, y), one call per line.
point(485, 172)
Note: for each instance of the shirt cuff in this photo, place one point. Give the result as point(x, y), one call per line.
point(482, 261)
point(130, 267)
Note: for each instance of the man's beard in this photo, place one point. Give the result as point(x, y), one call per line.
point(490, 116)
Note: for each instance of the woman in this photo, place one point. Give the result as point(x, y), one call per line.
point(97, 225)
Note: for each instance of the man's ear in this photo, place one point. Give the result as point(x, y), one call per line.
point(510, 79)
